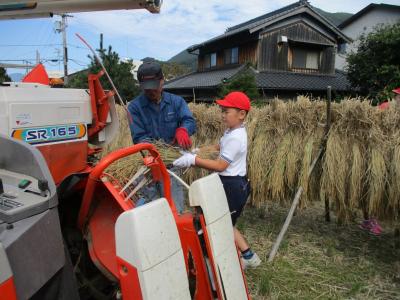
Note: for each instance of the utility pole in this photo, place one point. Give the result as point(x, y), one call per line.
point(64, 33)
point(37, 57)
point(101, 42)
point(61, 28)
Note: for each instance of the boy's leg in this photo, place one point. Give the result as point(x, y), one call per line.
point(240, 240)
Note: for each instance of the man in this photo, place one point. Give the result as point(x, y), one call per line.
point(158, 115)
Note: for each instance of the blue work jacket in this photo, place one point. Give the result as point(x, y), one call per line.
point(152, 121)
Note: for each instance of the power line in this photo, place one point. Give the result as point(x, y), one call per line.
point(30, 45)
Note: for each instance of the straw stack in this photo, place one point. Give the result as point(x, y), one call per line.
point(360, 169)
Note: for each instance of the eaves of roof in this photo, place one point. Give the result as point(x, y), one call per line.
point(365, 10)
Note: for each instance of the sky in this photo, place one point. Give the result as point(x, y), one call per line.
point(137, 34)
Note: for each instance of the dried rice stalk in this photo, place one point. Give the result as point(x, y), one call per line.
point(357, 174)
point(376, 182)
point(276, 178)
point(292, 161)
point(394, 187)
point(335, 175)
point(305, 169)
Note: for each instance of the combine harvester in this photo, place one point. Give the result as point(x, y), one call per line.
point(68, 230)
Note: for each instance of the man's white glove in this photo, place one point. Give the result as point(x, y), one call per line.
point(185, 161)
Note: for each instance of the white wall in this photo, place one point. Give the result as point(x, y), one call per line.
point(365, 24)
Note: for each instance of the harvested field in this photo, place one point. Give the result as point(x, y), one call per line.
point(319, 260)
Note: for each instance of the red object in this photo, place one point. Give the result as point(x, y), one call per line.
point(37, 75)
point(95, 174)
point(384, 105)
point(235, 100)
point(7, 289)
point(182, 138)
point(64, 159)
point(103, 202)
point(99, 103)
point(396, 90)
point(129, 279)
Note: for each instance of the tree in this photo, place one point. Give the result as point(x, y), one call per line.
point(172, 70)
point(375, 67)
point(3, 75)
point(244, 82)
point(119, 71)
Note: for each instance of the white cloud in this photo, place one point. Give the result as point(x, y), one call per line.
point(182, 23)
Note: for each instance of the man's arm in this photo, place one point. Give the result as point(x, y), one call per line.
point(137, 127)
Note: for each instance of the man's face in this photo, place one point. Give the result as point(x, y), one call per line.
point(154, 94)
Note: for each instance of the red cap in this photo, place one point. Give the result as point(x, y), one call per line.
point(235, 100)
point(397, 91)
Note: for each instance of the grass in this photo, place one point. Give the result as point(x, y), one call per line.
point(319, 260)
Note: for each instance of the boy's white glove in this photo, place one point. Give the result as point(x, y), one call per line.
point(185, 161)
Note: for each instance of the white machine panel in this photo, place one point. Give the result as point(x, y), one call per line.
point(147, 238)
point(208, 193)
point(38, 114)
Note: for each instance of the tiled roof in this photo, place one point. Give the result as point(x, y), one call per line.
point(202, 79)
point(297, 81)
point(269, 80)
point(262, 19)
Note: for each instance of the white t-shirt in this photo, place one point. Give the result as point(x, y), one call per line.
point(233, 149)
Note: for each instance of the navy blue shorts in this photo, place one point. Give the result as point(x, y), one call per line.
point(237, 190)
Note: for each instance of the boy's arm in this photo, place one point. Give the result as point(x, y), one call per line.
point(217, 165)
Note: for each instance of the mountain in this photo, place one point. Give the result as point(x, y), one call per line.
point(185, 58)
point(335, 18)
point(16, 77)
point(190, 60)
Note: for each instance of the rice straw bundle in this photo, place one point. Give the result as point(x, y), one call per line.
point(335, 173)
point(305, 169)
point(276, 178)
point(292, 160)
point(394, 187)
point(357, 176)
point(284, 137)
point(376, 182)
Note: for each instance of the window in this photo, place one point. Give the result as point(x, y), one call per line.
point(235, 55)
point(213, 59)
point(210, 60)
point(305, 58)
point(342, 48)
point(227, 56)
point(231, 56)
point(206, 61)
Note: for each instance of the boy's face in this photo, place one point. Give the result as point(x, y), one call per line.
point(233, 117)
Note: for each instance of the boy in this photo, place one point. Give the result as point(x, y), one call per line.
point(231, 165)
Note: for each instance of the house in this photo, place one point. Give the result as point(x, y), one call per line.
point(290, 51)
point(364, 22)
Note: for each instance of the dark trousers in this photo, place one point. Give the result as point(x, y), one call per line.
point(237, 190)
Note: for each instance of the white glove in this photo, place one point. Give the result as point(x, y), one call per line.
point(185, 161)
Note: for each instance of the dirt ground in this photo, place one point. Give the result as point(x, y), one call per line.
point(320, 260)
